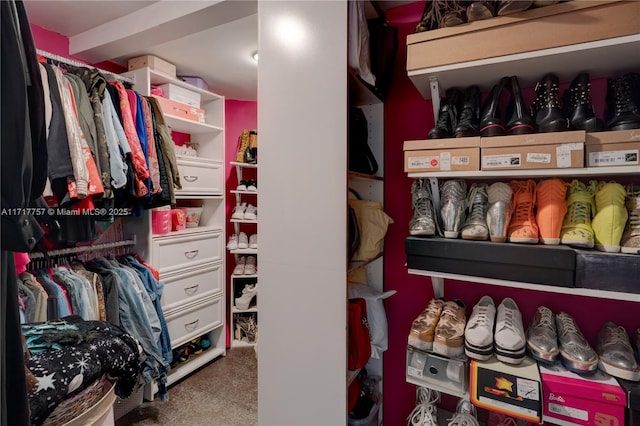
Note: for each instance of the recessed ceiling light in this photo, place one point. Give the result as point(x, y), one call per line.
point(254, 55)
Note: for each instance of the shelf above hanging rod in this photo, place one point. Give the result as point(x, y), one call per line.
point(71, 62)
point(83, 249)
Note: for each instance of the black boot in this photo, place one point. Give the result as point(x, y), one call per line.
point(577, 105)
point(470, 115)
point(545, 108)
point(622, 112)
point(448, 115)
point(490, 121)
point(520, 122)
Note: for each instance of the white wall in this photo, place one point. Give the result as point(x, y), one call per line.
point(302, 119)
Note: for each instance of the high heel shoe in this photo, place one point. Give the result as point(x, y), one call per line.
point(248, 293)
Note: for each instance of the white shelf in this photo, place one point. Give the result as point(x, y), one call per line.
point(193, 364)
point(358, 175)
point(187, 231)
point(244, 220)
point(523, 174)
point(604, 294)
point(189, 126)
point(235, 191)
point(438, 388)
point(244, 251)
point(247, 165)
point(235, 310)
point(158, 78)
point(241, 344)
point(244, 276)
point(600, 58)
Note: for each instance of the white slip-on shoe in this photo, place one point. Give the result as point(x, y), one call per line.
point(251, 213)
point(253, 241)
point(238, 211)
point(243, 241)
point(233, 242)
point(478, 335)
point(239, 269)
point(509, 337)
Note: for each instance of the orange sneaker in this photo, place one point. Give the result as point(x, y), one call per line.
point(551, 208)
point(523, 228)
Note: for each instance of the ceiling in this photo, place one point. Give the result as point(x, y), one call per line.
point(212, 39)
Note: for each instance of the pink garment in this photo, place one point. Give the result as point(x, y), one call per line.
point(22, 260)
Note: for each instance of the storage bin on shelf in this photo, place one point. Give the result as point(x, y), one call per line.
point(193, 216)
point(160, 221)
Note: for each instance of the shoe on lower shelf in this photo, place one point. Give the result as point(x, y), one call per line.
point(465, 414)
point(250, 266)
point(425, 412)
point(238, 211)
point(243, 241)
point(616, 354)
point(449, 335)
point(253, 241)
point(251, 212)
point(523, 227)
point(577, 355)
point(509, 335)
point(240, 266)
point(630, 242)
point(424, 326)
point(233, 242)
point(542, 336)
point(478, 334)
point(611, 217)
point(248, 293)
point(576, 227)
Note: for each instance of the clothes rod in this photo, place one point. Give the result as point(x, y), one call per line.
point(82, 249)
point(71, 62)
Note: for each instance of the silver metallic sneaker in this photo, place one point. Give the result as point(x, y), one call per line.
point(452, 199)
point(616, 353)
point(630, 242)
point(509, 336)
point(575, 351)
point(475, 228)
point(422, 221)
point(499, 211)
point(542, 337)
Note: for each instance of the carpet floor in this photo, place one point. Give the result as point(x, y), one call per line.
point(224, 393)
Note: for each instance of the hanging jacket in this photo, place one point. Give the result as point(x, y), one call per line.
point(154, 169)
point(117, 144)
point(168, 152)
point(60, 165)
point(162, 198)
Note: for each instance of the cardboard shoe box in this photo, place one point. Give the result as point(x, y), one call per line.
point(572, 399)
point(429, 369)
point(632, 390)
point(442, 155)
point(181, 110)
point(558, 150)
point(616, 148)
point(562, 24)
point(514, 390)
point(153, 62)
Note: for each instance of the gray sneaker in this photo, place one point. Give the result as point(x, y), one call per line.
point(499, 211)
point(422, 221)
point(630, 242)
point(475, 228)
point(452, 198)
point(542, 337)
point(575, 351)
point(616, 353)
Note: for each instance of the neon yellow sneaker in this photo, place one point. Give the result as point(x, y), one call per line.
point(630, 242)
point(611, 216)
point(576, 228)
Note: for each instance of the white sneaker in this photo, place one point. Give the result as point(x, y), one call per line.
point(250, 266)
point(253, 241)
point(239, 269)
point(243, 241)
point(465, 414)
point(251, 186)
point(478, 335)
point(242, 186)
point(238, 211)
point(251, 212)
point(233, 242)
point(509, 337)
point(425, 413)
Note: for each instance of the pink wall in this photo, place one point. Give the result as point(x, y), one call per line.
point(409, 116)
point(239, 115)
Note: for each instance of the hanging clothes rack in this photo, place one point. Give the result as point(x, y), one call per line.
point(83, 249)
point(63, 60)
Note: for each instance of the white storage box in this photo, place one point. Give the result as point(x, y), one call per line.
point(180, 94)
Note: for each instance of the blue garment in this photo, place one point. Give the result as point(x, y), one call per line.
point(61, 298)
point(154, 289)
point(75, 291)
point(141, 130)
point(87, 302)
point(135, 321)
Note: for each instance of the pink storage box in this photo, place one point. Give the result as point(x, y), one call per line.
point(178, 219)
point(572, 399)
point(160, 221)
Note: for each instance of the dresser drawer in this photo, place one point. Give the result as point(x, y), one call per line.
point(174, 253)
point(185, 287)
point(200, 177)
point(190, 323)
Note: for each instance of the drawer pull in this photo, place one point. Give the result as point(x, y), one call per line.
point(190, 178)
point(191, 254)
point(191, 290)
point(190, 326)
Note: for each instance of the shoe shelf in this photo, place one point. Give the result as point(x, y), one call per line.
point(187, 231)
point(438, 286)
point(244, 221)
point(245, 165)
point(600, 57)
point(235, 310)
point(244, 276)
point(235, 191)
point(242, 344)
point(441, 389)
point(244, 251)
point(524, 174)
point(358, 175)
